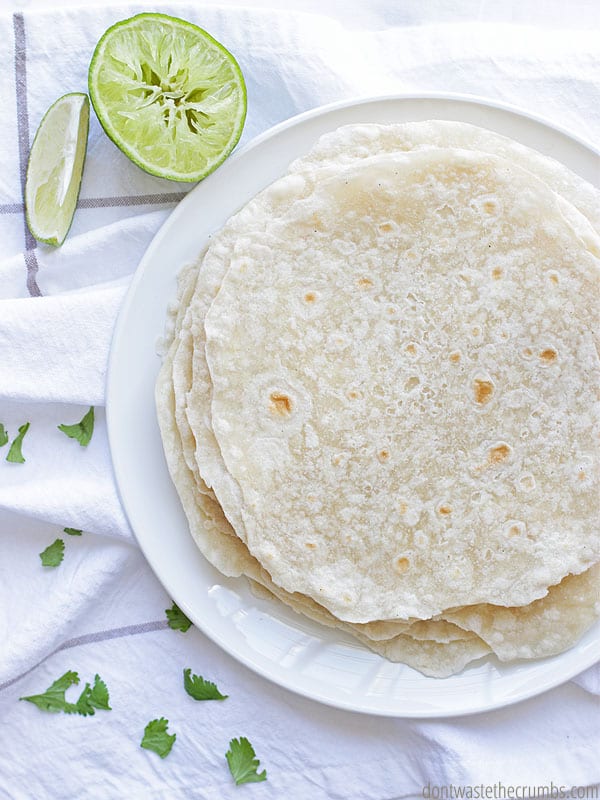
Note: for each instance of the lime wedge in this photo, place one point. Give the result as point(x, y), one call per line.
point(169, 95)
point(55, 167)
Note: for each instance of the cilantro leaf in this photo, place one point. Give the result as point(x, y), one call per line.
point(199, 689)
point(82, 431)
point(53, 554)
point(243, 763)
point(83, 705)
point(99, 694)
point(72, 531)
point(90, 698)
point(15, 456)
point(53, 698)
point(3, 435)
point(156, 737)
point(177, 619)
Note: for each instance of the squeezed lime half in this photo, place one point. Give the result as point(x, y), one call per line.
point(169, 95)
point(55, 168)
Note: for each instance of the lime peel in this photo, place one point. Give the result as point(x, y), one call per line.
point(55, 168)
point(170, 96)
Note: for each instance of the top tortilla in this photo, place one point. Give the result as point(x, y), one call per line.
point(459, 291)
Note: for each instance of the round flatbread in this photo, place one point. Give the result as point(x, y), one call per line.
point(184, 392)
point(400, 363)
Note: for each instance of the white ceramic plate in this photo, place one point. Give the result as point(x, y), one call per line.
point(267, 637)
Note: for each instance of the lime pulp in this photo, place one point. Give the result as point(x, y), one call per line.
point(168, 95)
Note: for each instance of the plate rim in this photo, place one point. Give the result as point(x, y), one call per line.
point(111, 392)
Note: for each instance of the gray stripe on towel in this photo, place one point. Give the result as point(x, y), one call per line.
point(23, 134)
point(109, 202)
point(88, 638)
point(130, 200)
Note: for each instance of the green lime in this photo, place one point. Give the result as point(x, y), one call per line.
point(169, 95)
point(55, 167)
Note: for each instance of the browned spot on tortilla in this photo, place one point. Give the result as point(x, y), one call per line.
point(527, 352)
point(386, 227)
point(352, 394)
point(402, 507)
point(445, 510)
point(514, 530)
point(554, 277)
point(496, 273)
point(402, 564)
point(365, 282)
point(280, 404)
point(499, 453)
point(310, 297)
point(489, 207)
point(383, 455)
point(454, 357)
point(411, 348)
point(310, 545)
point(548, 355)
point(483, 391)
point(581, 476)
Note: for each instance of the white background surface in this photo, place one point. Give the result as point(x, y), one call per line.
point(102, 610)
point(561, 14)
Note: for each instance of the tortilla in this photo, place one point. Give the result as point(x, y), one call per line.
point(544, 627)
point(376, 474)
point(184, 393)
point(351, 143)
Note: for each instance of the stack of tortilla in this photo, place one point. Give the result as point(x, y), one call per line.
point(380, 397)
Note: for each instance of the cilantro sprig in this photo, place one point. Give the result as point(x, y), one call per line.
point(15, 453)
point(73, 531)
point(3, 435)
point(53, 555)
point(156, 737)
point(81, 431)
point(199, 689)
point(243, 763)
point(54, 700)
point(177, 619)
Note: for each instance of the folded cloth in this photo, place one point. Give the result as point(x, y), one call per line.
point(102, 610)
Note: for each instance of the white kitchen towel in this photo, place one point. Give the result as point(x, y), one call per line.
point(102, 610)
